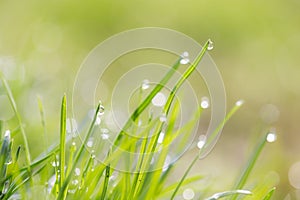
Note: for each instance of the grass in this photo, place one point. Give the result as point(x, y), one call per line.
point(72, 171)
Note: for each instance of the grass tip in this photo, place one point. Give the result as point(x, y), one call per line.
point(239, 102)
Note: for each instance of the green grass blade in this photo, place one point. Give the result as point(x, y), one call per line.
point(229, 193)
point(242, 180)
point(14, 106)
point(270, 194)
point(105, 184)
point(62, 151)
point(199, 154)
point(79, 153)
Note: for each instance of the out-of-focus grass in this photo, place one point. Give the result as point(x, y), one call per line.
point(256, 50)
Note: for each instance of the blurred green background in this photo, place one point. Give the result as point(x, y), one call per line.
point(43, 43)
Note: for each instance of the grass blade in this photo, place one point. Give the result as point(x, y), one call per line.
point(14, 106)
point(62, 151)
point(199, 155)
point(79, 153)
point(228, 193)
point(250, 164)
point(105, 185)
point(270, 194)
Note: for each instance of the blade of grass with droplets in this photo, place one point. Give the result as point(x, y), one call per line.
point(148, 100)
point(79, 153)
point(242, 180)
point(199, 154)
point(160, 164)
point(270, 194)
point(62, 149)
point(15, 109)
point(178, 84)
point(228, 193)
point(105, 184)
point(171, 97)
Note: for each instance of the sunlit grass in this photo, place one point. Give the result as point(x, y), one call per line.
point(73, 172)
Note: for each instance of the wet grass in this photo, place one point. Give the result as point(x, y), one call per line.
point(72, 171)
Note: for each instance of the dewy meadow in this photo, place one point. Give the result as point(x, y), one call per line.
point(134, 158)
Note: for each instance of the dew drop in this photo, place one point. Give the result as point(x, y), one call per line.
point(167, 163)
point(5, 187)
point(163, 118)
point(104, 136)
point(161, 138)
point(101, 110)
point(204, 102)
point(7, 134)
point(55, 163)
point(271, 137)
point(210, 45)
point(75, 182)
point(159, 100)
point(77, 171)
point(145, 84)
point(239, 103)
point(184, 61)
point(71, 191)
point(201, 142)
point(90, 142)
point(185, 54)
point(188, 194)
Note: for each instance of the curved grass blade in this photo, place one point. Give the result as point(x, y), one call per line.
point(199, 155)
point(270, 194)
point(105, 185)
point(79, 153)
point(14, 106)
point(228, 193)
point(241, 182)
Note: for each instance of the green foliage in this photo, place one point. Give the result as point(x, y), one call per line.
point(73, 173)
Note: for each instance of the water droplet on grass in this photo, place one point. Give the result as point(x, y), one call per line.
point(161, 138)
point(201, 142)
point(185, 54)
point(104, 136)
point(7, 134)
point(101, 110)
point(5, 187)
point(163, 118)
point(77, 171)
point(184, 61)
point(90, 142)
point(55, 164)
point(204, 102)
point(145, 84)
point(210, 45)
point(271, 137)
point(239, 103)
point(159, 100)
